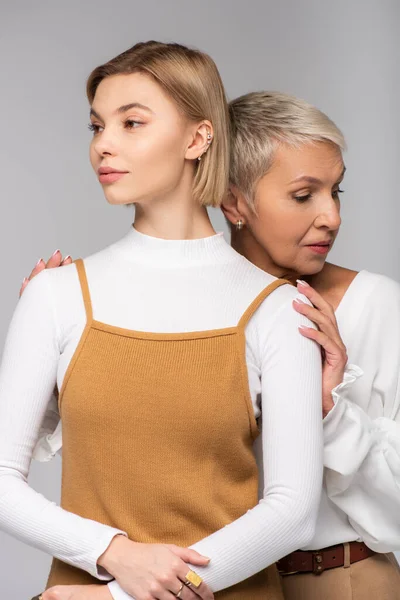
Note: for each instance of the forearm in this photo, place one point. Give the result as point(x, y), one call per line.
point(34, 520)
point(27, 379)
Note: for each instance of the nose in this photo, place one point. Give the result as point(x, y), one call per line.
point(104, 144)
point(329, 216)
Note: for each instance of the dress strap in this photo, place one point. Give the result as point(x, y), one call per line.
point(259, 299)
point(85, 289)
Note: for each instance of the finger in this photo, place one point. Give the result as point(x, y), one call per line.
point(319, 318)
point(334, 354)
point(67, 261)
point(182, 569)
point(189, 556)
point(40, 266)
point(316, 299)
point(162, 594)
point(54, 260)
point(188, 594)
point(57, 593)
point(203, 592)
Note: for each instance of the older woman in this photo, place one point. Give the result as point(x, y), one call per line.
point(286, 174)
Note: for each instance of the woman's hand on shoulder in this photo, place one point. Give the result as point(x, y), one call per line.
point(153, 571)
point(327, 335)
point(55, 260)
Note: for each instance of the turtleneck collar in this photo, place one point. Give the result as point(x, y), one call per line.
point(175, 253)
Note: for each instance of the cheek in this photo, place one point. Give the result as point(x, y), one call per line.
point(280, 229)
point(157, 160)
point(93, 156)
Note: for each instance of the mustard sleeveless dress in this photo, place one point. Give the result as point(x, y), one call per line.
point(158, 433)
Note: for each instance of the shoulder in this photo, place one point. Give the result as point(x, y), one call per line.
point(371, 307)
point(65, 280)
point(253, 278)
point(379, 297)
point(379, 286)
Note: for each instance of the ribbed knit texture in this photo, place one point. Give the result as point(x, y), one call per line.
point(148, 284)
point(192, 444)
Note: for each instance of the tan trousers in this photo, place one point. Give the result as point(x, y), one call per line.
point(375, 578)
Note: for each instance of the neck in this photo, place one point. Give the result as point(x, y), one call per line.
point(245, 243)
point(174, 216)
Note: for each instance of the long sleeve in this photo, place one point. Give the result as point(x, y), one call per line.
point(362, 431)
point(289, 368)
point(27, 380)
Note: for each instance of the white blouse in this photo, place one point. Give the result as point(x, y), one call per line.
point(149, 284)
point(361, 495)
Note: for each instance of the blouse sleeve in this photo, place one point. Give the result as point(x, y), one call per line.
point(284, 520)
point(362, 451)
point(27, 380)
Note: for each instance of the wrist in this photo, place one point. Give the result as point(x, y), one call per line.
point(327, 405)
point(111, 557)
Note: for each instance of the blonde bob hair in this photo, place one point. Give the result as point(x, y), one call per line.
point(259, 122)
point(192, 80)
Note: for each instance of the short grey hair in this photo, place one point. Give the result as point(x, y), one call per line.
point(260, 121)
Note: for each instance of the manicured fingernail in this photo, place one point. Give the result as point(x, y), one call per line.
point(24, 280)
point(303, 328)
point(39, 261)
point(299, 301)
point(54, 253)
point(66, 258)
point(302, 282)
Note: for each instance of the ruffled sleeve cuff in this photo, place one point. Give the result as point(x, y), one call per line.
point(48, 444)
point(330, 422)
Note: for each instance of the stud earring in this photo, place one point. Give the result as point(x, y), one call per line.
point(239, 225)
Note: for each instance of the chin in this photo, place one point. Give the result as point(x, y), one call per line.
point(117, 199)
point(314, 267)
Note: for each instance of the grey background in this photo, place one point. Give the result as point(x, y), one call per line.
point(342, 56)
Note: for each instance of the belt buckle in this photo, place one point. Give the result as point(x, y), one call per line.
point(318, 563)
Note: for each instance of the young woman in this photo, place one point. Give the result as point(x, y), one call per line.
point(286, 173)
point(160, 394)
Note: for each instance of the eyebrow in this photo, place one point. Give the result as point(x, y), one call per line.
point(308, 179)
point(123, 109)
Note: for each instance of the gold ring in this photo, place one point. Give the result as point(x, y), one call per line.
point(178, 595)
point(194, 579)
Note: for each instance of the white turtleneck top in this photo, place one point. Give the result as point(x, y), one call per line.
point(149, 284)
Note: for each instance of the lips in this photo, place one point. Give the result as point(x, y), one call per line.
point(325, 243)
point(107, 170)
point(110, 175)
point(320, 247)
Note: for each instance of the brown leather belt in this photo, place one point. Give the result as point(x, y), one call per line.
point(317, 561)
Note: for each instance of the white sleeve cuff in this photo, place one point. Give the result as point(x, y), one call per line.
point(117, 592)
point(351, 374)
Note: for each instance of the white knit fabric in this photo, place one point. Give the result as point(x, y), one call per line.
point(148, 284)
